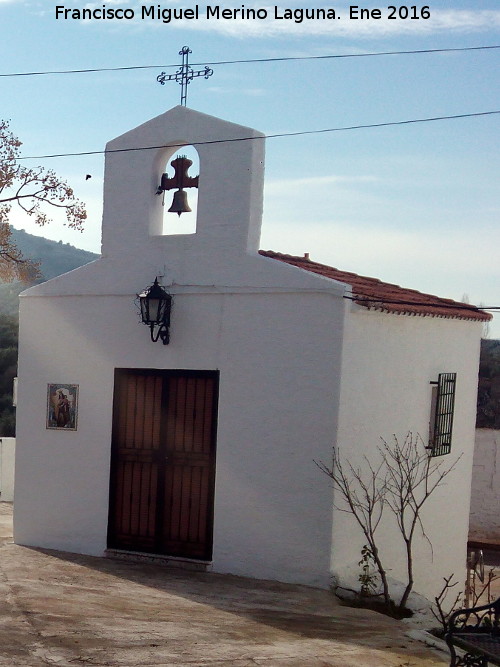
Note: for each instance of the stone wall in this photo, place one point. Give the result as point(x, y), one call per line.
point(485, 497)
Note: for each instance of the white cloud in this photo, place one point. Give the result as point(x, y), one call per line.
point(446, 21)
point(251, 92)
point(98, 5)
point(277, 186)
point(440, 21)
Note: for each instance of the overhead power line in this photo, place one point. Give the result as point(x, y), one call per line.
point(268, 136)
point(353, 55)
point(255, 60)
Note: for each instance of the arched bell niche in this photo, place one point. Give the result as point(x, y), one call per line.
point(175, 219)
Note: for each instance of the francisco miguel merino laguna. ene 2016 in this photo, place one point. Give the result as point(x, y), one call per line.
point(168, 14)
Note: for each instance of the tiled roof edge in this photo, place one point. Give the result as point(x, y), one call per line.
point(375, 294)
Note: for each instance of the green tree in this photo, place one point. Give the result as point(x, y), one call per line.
point(8, 371)
point(35, 191)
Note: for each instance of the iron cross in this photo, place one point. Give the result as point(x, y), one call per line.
point(185, 74)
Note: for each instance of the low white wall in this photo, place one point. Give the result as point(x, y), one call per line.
point(485, 500)
point(7, 465)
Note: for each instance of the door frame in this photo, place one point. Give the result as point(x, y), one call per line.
point(165, 374)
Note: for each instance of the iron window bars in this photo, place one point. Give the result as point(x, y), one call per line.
point(442, 414)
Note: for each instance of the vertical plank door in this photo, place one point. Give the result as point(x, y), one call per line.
point(163, 462)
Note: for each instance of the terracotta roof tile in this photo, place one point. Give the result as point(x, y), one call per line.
point(375, 294)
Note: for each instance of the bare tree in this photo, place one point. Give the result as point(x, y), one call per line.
point(402, 481)
point(478, 591)
point(364, 495)
point(34, 190)
point(412, 476)
point(438, 611)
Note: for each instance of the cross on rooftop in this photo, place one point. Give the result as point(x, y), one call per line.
point(185, 74)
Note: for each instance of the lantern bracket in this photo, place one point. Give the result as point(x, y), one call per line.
point(155, 308)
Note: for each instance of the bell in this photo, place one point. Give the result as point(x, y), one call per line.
point(180, 203)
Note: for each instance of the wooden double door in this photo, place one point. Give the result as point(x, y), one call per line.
point(163, 462)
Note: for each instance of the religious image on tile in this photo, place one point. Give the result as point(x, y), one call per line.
point(62, 400)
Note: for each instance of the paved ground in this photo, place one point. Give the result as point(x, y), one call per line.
point(66, 610)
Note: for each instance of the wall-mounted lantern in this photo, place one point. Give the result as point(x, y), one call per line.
point(156, 304)
point(179, 180)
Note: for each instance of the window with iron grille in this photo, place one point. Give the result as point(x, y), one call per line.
point(443, 403)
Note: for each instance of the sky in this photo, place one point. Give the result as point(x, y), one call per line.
point(415, 204)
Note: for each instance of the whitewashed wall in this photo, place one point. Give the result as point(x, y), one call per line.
point(278, 391)
point(485, 501)
point(7, 467)
point(388, 363)
point(273, 332)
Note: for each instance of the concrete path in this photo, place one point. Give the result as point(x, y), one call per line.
point(66, 610)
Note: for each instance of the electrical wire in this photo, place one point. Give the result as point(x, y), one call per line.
point(255, 60)
point(352, 55)
point(362, 298)
point(268, 136)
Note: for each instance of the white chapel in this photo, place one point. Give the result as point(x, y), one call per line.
point(201, 449)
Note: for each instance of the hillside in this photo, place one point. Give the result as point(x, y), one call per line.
point(55, 258)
